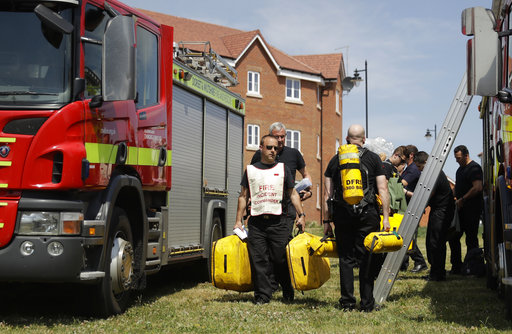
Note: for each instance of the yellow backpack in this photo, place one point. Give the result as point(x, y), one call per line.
point(231, 267)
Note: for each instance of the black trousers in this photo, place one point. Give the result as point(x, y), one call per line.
point(438, 223)
point(469, 218)
point(350, 232)
point(267, 240)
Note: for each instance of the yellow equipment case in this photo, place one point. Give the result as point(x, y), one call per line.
point(325, 246)
point(307, 271)
point(348, 156)
point(394, 222)
point(383, 242)
point(231, 267)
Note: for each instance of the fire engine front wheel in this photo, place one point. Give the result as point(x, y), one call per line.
point(115, 288)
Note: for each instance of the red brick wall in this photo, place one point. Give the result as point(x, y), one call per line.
point(306, 117)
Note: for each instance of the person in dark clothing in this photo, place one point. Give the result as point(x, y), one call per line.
point(469, 203)
point(395, 163)
point(268, 184)
point(410, 177)
point(351, 227)
point(442, 207)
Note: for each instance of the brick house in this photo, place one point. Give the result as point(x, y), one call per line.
point(303, 92)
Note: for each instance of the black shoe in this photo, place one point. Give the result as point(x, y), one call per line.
point(346, 307)
point(404, 267)
point(288, 296)
point(371, 309)
point(260, 301)
point(455, 271)
point(419, 267)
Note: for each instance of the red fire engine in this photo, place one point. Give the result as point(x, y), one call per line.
point(89, 135)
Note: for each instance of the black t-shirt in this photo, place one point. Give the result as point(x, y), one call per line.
point(442, 195)
point(291, 157)
point(288, 180)
point(412, 175)
point(389, 169)
point(465, 176)
point(369, 160)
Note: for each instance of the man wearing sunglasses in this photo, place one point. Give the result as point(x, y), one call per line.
point(268, 184)
point(395, 163)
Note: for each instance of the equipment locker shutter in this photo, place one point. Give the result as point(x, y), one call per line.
point(235, 164)
point(215, 147)
point(186, 189)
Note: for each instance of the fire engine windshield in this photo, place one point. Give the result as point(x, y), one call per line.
point(35, 59)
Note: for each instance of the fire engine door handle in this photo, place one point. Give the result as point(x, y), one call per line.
point(499, 151)
point(122, 153)
point(162, 158)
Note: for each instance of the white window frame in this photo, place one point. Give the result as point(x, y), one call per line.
point(289, 142)
point(253, 84)
point(253, 136)
point(295, 92)
point(337, 145)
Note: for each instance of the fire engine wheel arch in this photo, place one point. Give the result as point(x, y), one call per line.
point(115, 288)
point(216, 229)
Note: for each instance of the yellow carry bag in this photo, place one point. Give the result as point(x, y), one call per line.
point(325, 246)
point(307, 271)
point(383, 242)
point(351, 181)
point(231, 267)
point(394, 222)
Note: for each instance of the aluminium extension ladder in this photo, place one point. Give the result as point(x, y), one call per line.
point(419, 200)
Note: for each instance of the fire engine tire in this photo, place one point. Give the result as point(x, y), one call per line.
point(215, 234)
point(115, 288)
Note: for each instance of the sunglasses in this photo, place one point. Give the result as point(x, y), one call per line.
point(270, 147)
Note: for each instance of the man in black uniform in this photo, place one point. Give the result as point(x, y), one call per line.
point(468, 192)
point(442, 207)
point(268, 184)
point(352, 226)
point(410, 178)
point(395, 163)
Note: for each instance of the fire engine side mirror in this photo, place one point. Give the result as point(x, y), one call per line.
point(119, 59)
point(483, 51)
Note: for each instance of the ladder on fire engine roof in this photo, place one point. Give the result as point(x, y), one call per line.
point(419, 200)
point(207, 62)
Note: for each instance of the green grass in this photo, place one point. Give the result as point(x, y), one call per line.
point(179, 301)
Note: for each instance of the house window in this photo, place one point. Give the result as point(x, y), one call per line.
point(293, 139)
point(292, 89)
point(253, 136)
point(337, 144)
point(338, 102)
point(253, 82)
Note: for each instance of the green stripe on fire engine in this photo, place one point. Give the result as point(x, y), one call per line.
point(106, 153)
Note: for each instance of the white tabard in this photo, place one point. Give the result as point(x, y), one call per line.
point(266, 188)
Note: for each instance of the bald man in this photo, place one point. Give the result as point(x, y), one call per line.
point(354, 222)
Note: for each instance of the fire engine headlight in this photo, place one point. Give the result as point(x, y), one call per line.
point(50, 223)
point(41, 223)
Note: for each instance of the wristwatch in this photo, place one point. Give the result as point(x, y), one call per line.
point(302, 215)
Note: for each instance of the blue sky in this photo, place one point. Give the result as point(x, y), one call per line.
point(415, 52)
